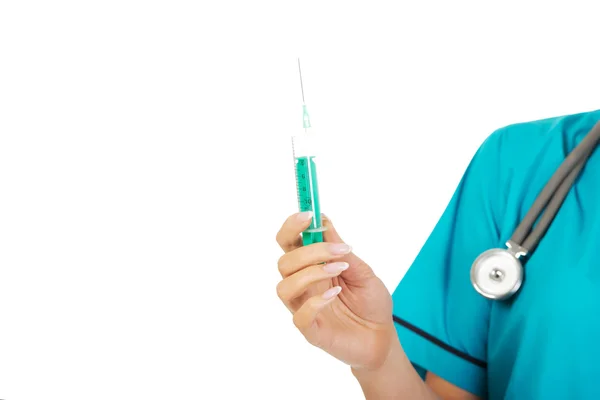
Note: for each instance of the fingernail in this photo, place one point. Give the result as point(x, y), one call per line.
point(336, 267)
point(305, 216)
point(340, 248)
point(334, 291)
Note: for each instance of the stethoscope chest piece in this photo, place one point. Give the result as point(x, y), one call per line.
point(497, 274)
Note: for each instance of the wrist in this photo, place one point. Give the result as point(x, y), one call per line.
point(394, 378)
point(387, 364)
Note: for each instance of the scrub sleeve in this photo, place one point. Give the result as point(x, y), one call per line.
point(442, 322)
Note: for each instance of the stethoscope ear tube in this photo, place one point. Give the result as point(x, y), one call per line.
point(498, 273)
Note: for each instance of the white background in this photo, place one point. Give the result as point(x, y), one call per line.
point(145, 168)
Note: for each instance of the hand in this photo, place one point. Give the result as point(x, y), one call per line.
point(340, 306)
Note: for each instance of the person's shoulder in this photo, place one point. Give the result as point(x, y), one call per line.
point(533, 141)
point(539, 131)
point(521, 157)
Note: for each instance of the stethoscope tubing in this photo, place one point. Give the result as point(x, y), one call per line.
point(554, 193)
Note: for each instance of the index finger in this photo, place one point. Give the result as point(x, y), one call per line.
point(288, 236)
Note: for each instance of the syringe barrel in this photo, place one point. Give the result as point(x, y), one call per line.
point(305, 166)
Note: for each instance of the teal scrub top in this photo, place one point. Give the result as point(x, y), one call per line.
point(544, 342)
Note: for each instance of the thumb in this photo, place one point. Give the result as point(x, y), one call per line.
point(330, 234)
point(358, 269)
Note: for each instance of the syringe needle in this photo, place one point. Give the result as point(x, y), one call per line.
point(301, 86)
point(305, 117)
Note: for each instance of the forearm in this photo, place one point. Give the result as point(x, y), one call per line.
point(396, 379)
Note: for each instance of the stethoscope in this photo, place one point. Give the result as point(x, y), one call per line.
point(497, 274)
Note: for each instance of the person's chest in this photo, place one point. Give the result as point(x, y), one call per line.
point(544, 343)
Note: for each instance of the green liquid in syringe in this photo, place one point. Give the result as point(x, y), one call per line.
point(308, 197)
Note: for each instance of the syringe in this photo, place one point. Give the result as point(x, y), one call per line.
point(303, 148)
